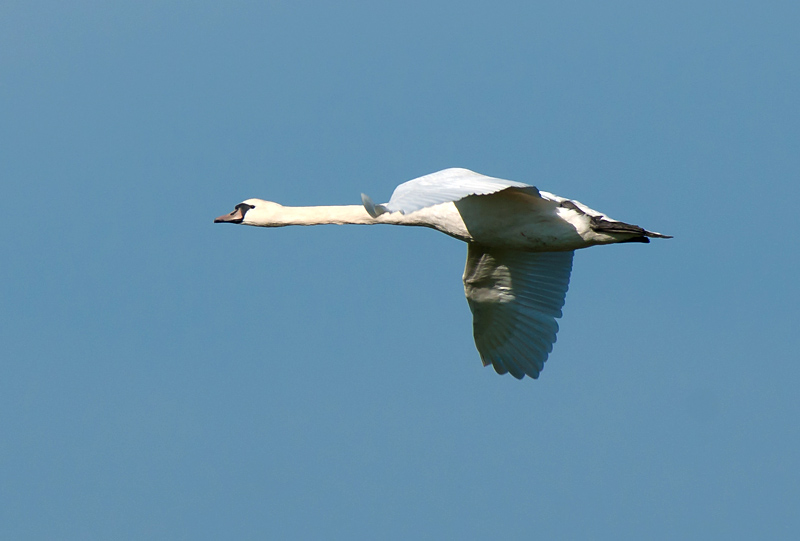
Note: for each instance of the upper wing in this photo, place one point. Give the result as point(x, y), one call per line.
point(440, 187)
point(515, 298)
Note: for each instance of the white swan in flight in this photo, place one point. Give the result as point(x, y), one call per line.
point(520, 246)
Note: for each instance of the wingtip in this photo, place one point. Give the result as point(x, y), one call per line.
point(373, 209)
point(369, 205)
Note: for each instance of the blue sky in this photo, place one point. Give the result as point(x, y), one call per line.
point(163, 377)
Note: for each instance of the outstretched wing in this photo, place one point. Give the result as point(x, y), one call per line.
point(440, 187)
point(515, 298)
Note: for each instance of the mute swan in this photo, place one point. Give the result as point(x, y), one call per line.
point(520, 245)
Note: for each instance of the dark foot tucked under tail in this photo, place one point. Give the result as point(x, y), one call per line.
point(605, 226)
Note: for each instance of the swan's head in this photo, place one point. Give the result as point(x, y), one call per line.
point(252, 212)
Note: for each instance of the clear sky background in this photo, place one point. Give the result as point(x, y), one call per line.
point(165, 377)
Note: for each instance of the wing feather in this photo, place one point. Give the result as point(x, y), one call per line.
point(440, 187)
point(515, 298)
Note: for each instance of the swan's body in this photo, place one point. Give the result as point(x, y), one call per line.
point(521, 242)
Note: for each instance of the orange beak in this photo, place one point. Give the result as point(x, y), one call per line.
point(234, 217)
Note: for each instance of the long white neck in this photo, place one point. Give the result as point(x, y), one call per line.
point(443, 217)
point(347, 214)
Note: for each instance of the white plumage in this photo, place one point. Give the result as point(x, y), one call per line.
point(521, 244)
point(442, 187)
